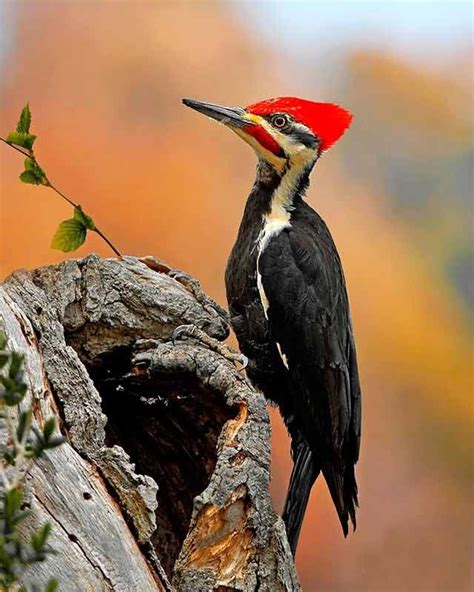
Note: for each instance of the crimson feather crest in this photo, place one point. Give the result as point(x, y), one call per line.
point(326, 120)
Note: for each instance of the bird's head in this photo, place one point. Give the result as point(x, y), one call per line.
point(285, 131)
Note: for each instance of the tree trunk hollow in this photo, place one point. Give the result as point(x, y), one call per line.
point(163, 483)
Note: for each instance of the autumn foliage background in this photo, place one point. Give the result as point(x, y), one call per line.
point(105, 81)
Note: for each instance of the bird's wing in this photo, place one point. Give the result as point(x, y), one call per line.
point(308, 312)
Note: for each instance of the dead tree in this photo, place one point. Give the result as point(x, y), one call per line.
point(163, 481)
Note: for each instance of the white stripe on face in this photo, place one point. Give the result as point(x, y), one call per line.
point(292, 147)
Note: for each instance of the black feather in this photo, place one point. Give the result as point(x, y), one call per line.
point(302, 478)
point(308, 317)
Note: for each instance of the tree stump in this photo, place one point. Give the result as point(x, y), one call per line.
point(163, 483)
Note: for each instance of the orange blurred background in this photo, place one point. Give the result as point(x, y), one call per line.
point(105, 80)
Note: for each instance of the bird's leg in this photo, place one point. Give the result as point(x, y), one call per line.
point(194, 332)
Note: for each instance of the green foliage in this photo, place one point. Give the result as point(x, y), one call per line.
point(12, 386)
point(26, 442)
point(33, 173)
point(72, 233)
point(12, 391)
point(21, 139)
point(52, 586)
point(44, 440)
point(11, 514)
point(84, 219)
point(24, 122)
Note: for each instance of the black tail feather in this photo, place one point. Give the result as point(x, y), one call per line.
point(343, 489)
point(302, 478)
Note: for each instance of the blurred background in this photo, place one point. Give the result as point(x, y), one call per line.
point(105, 80)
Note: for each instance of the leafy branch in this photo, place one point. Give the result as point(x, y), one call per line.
point(71, 233)
point(24, 444)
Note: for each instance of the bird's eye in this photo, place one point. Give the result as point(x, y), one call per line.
point(279, 121)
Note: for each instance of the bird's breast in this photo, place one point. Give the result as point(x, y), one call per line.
point(248, 308)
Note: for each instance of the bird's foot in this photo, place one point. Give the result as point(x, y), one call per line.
point(194, 332)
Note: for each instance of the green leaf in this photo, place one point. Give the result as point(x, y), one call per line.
point(29, 177)
point(52, 586)
point(12, 504)
point(33, 173)
point(39, 538)
point(84, 219)
point(20, 517)
point(69, 236)
point(8, 383)
point(22, 139)
point(25, 120)
point(32, 165)
point(14, 385)
point(14, 392)
point(3, 359)
point(49, 428)
point(8, 457)
point(24, 422)
point(13, 399)
point(15, 364)
point(55, 442)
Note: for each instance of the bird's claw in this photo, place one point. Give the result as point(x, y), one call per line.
point(182, 331)
point(234, 356)
point(244, 362)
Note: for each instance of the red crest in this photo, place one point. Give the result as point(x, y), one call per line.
point(326, 120)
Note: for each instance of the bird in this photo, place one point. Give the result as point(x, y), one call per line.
point(288, 301)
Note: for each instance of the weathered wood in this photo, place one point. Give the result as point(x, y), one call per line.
point(235, 540)
point(97, 551)
point(167, 442)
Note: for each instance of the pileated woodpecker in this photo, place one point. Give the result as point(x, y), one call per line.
point(288, 301)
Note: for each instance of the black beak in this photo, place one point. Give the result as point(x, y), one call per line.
point(232, 116)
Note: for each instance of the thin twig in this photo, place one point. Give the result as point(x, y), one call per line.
point(16, 148)
point(102, 235)
point(48, 183)
point(69, 201)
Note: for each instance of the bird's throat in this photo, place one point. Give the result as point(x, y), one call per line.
point(283, 189)
point(288, 188)
point(273, 199)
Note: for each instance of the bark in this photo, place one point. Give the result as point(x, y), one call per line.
point(163, 482)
